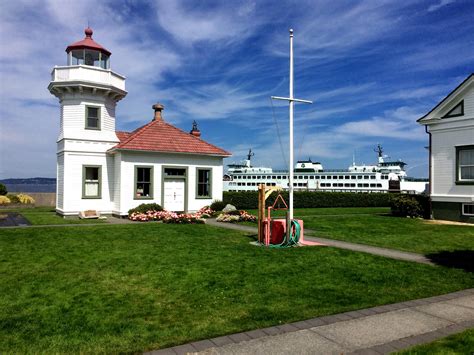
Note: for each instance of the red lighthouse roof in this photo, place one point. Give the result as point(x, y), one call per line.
point(87, 43)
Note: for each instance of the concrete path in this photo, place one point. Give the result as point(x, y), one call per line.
point(377, 330)
point(389, 253)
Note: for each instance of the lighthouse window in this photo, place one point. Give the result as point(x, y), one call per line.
point(465, 164)
point(92, 117)
point(203, 183)
point(143, 182)
point(91, 176)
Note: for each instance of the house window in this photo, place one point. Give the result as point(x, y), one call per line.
point(92, 117)
point(456, 111)
point(468, 209)
point(91, 186)
point(465, 164)
point(143, 182)
point(204, 183)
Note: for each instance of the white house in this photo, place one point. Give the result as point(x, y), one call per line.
point(101, 169)
point(450, 125)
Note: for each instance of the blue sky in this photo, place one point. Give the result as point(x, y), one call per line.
point(371, 67)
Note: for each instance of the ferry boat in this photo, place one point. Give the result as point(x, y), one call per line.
point(385, 176)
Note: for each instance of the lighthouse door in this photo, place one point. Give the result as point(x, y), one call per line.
point(174, 195)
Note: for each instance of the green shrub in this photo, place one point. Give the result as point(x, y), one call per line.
point(3, 190)
point(145, 207)
point(311, 199)
point(13, 198)
point(406, 206)
point(217, 205)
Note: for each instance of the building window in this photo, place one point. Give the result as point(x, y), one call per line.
point(465, 165)
point(91, 185)
point(468, 209)
point(456, 111)
point(92, 117)
point(204, 183)
point(143, 182)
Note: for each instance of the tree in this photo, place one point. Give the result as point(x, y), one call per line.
point(3, 189)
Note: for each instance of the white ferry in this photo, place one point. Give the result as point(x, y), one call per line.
point(386, 176)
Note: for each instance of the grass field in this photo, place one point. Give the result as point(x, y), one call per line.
point(374, 226)
point(132, 288)
point(462, 343)
point(48, 216)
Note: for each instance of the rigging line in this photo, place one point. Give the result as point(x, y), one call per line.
point(278, 133)
point(301, 144)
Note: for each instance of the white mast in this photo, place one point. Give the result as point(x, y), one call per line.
point(292, 101)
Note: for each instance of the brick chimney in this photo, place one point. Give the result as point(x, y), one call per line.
point(158, 108)
point(195, 131)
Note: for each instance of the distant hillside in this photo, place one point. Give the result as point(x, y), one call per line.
point(37, 184)
point(30, 181)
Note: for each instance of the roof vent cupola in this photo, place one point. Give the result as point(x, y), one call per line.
point(158, 109)
point(195, 130)
point(88, 52)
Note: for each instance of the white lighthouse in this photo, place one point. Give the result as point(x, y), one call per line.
point(88, 92)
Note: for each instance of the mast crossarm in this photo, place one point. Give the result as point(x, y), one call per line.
point(290, 99)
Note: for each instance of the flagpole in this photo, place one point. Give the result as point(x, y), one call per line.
point(291, 101)
point(290, 168)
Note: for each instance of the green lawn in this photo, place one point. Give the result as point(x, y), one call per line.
point(131, 288)
point(374, 226)
point(48, 216)
point(462, 343)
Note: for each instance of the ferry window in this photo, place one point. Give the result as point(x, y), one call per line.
point(341, 177)
point(329, 177)
point(353, 177)
point(254, 177)
point(311, 177)
point(359, 185)
point(347, 185)
point(249, 184)
point(366, 177)
point(323, 177)
point(353, 185)
point(465, 164)
point(372, 177)
point(379, 185)
point(279, 177)
point(366, 185)
point(347, 177)
point(372, 185)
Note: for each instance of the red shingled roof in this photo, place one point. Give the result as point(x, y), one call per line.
point(87, 43)
point(159, 136)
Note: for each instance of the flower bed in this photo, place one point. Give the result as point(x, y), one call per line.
point(173, 217)
point(236, 216)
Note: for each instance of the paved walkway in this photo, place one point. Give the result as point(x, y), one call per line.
point(389, 253)
point(377, 330)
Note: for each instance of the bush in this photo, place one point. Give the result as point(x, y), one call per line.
point(3, 190)
point(4, 200)
point(145, 207)
point(311, 199)
point(25, 199)
point(405, 206)
point(13, 198)
point(217, 205)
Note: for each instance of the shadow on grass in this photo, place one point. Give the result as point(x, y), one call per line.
point(459, 259)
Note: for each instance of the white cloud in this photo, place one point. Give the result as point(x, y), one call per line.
point(191, 23)
point(439, 5)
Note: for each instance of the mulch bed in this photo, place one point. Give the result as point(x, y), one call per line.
point(12, 219)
